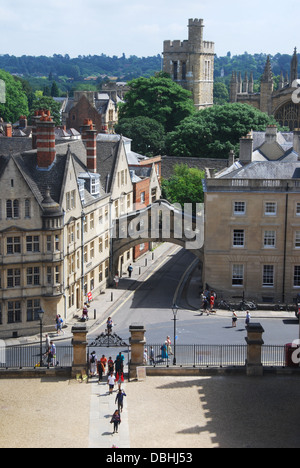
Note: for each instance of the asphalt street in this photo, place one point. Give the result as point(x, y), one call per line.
point(151, 305)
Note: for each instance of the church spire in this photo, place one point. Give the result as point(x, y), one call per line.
point(294, 67)
point(267, 75)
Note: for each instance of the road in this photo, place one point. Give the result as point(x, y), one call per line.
point(151, 305)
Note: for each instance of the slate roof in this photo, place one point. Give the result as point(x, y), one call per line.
point(266, 170)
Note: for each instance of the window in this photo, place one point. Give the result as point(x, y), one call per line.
point(297, 276)
point(297, 209)
point(27, 208)
point(49, 275)
point(297, 240)
point(143, 197)
point(14, 312)
point(238, 238)
point(49, 244)
point(270, 208)
point(16, 209)
point(32, 243)
point(33, 308)
point(237, 275)
point(13, 245)
point(92, 250)
point(9, 211)
point(239, 208)
point(33, 276)
point(100, 244)
point(269, 239)
point(13, 278)
point(268, 275)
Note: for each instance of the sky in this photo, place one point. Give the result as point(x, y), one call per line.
point(139, 27)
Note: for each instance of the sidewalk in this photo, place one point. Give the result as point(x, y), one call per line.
point(191, 300)
point(105, 304)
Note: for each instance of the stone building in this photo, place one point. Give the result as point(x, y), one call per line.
point(58, 203)
point(190, 63)
point(252, 221)
point(101, 108)
point(282, 103)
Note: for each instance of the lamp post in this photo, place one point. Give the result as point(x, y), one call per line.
point(41, 315)
point(175, 310)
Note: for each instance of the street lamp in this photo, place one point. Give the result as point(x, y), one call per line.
point(41, 315)
point(175, 310)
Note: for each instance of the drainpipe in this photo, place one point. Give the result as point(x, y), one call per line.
point(285, 241)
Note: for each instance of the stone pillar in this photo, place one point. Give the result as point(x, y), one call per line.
point(137, 342)
point(79, 342)
point(254, 341)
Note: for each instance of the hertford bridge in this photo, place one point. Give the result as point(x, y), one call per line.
point(159, 222)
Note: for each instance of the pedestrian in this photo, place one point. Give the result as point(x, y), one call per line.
point(120, 399)
point(110, 365)
point(59, 324)
point(93, 364)
point(109, 325)
point(116, 420)
point(100, 370)
point(151, 357)
point(117, 279)
point(205, 304)
point(104, 362)
point(212, 301)
point(145, 359)
point(111, 380)
point(130, 270)
point(234, 319)
point(248, 318)
point(51, 354)
point(85, 313)
point(164, 351)
point(169, 345)
point(47, 344)
point(119, 362)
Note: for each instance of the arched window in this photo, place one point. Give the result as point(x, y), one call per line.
point(288, 115)
point(9, 211)
point(16, 208)
point(27, 208)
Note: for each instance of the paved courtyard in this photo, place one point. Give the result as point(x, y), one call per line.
point(160, 412)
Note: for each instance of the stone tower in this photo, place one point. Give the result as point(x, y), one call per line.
point(266, 89)
point(191, 64)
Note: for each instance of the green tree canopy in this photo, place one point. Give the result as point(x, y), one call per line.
point(47, 102)
point(148, 136)
point(213, 132)
point(160, 99)
point(16, 100)
point(184, 186)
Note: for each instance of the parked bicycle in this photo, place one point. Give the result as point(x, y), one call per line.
point(224, 305)
point(247, 305)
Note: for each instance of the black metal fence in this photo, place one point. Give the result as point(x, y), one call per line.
point(211, 355)
point(29, 356)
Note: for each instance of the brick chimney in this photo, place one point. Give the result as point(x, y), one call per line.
point(23, 121)
point(45, 141)
point(89, 136)
point(8, 130)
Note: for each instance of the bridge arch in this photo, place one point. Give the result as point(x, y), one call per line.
point(159, 222)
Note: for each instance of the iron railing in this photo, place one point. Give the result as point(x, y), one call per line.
point(28, 356)
point(213, 356)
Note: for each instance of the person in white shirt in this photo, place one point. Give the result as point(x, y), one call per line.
point(111, 380)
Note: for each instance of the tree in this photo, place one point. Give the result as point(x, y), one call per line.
point(213, 132)
point(184, 186)
point(160, 99)
point(54, 90)
point(148, 136)
point(16, 100)
point(47, 102)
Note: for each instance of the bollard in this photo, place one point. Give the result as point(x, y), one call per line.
point(95, 314)
point(146, 262)
point(112, 297)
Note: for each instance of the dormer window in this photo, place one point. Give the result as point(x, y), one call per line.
point(81, 189)
point(95, 184)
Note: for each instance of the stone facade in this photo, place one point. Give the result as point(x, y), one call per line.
point(252, 222)
point(280, 103)
point(191, 64)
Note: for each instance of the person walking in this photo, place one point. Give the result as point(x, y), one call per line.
point(151, 356)
point(164, 351)
point(169, 345)
point(110, 365)
point(120, 399)
point(248, 318)
point(130, 270)
point(100, 370)
point(116, 420)
point(93, 364)
point(104, 362)
point(109, 325)
point(234, 319)
point(117, 279)
point(111, 380)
